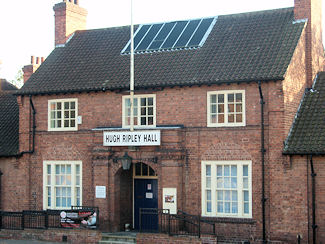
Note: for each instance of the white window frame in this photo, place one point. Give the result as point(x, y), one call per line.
point(124, 125)
point(213, 188)
point(226, 123)
point(52, 185)
point(62, 128)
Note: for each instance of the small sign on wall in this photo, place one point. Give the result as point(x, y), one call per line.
point(100, 191)
point(170, 199)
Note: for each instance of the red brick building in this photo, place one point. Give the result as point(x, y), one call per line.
point(214, 101)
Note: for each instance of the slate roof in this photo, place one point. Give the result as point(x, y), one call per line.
point(307, 135)
point(9, 120)
point(6, 86)
point(241, 47)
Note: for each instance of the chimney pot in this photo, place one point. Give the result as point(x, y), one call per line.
point(42, 59)
point(32, 60)
point(37, 60)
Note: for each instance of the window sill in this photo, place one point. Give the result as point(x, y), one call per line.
point(230, 220)
point(63, 130)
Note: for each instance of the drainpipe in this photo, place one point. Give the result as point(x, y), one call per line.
point(263, 160)
point(313, 199)
point(1, 190)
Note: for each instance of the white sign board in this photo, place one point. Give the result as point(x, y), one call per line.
point(170, 199)
point(132, 138)
point(100, 191)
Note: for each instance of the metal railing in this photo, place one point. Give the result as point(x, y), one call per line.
point(160, 220)
point(32, 219)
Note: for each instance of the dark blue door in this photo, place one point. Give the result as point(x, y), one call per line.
point(146, 196)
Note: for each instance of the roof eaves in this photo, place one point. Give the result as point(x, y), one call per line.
point(103, 89)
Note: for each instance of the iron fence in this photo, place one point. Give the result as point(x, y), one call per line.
point(77, 216)
point(11, 220)
point(160, 220)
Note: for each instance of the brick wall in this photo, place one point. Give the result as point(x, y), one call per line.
point(179, 156)
point(165, 239)
point(312, 10)
point(53, 235)
point(14, 184)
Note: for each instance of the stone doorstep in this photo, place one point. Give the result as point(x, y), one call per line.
point(122, 237)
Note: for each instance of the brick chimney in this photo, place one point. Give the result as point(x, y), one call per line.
point(312, 10)
point(29, 69)
point(69, 17)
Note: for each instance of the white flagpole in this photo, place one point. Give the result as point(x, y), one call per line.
point(132, 71)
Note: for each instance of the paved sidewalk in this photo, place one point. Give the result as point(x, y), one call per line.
point(27, 242)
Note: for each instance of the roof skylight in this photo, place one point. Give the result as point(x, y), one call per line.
point(171, 35)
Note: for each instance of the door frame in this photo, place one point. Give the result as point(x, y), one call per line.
point(134, 177)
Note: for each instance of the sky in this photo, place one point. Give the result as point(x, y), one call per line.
point(27, 26)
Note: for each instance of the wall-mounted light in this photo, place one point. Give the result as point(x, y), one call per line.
point(126, 161)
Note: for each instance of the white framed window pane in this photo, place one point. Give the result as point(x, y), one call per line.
point(57, 180)
point(233, 170)
point(57, 169)
point(68, 178)
point(227, 207)
point(208, 182)
point(58, 202)
point(219, 195)
point(213, 99)
point(219, 170)
point(227, 182)
point(228, 194)
point(213, 118)
point(219, 182)
point(246, 208)
point(220, 207)
point(234, 196)
point(62, 114)
point(69, 202)
point(68, 169)
point(208, 195)
point(64, 202)
point(245, 170)
point(221, 98)
point(62, 196)
point(233, 182)
point(231, 97)
point(53, 115)
point(208, 170)
point(226, 170)
point(234, 208)
point(209, 207)
point(143, 113)
point(246, 196)
point(48, 169)
point(245, 183)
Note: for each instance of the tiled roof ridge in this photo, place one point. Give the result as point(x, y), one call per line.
point(258, 12)
point(242, 14)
